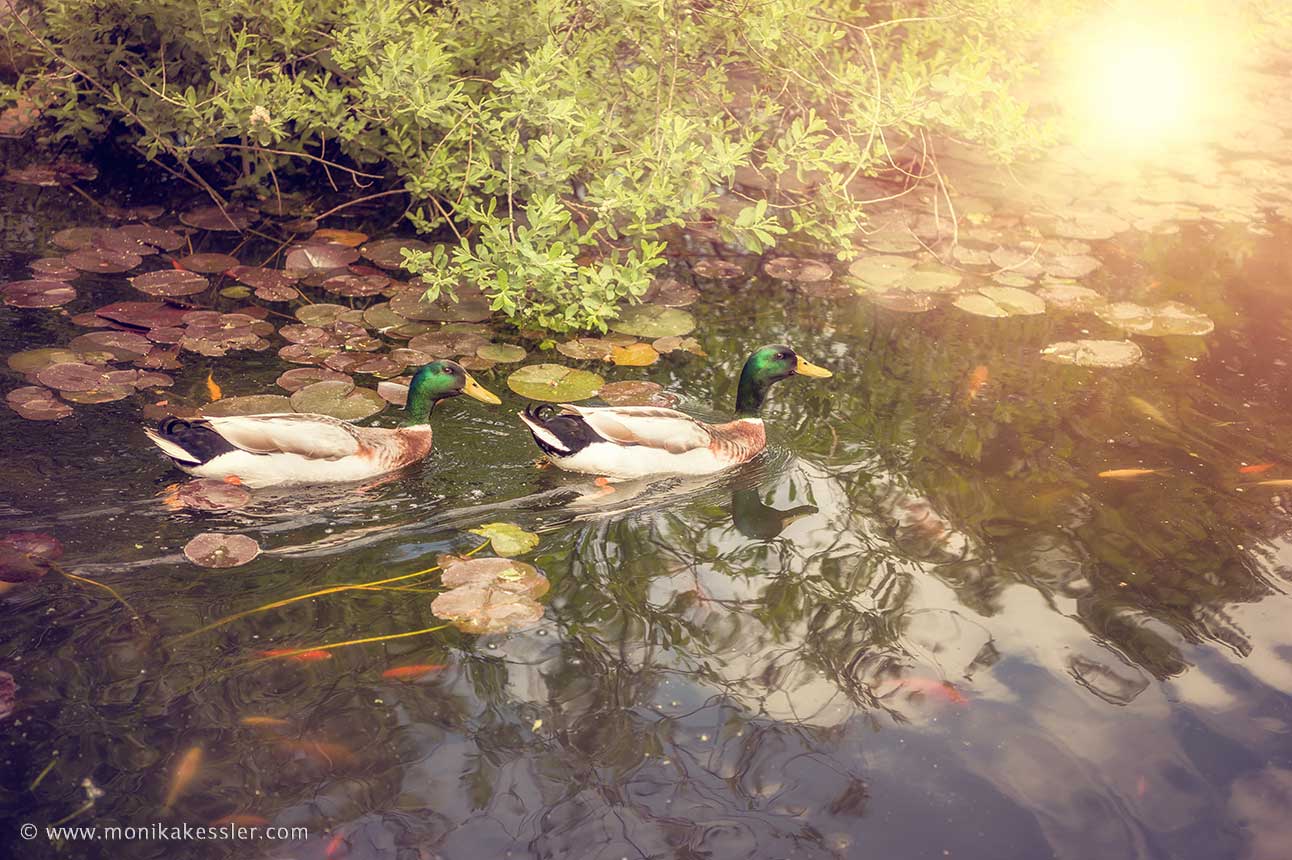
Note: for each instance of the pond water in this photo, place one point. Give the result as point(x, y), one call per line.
point(922, 625)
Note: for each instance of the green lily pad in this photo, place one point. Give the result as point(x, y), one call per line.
point(252, 404)
point(338, 398)
point(653, 321)
point(879, 271)
point(471, 305)
point(801, 269)
point(502, 352)
point(1000, 302)
point(1094, 353)
point(507, 538)
point(1071, 297)
point(33, 360)
point(904, 302)
point(587, 348)
point(1161, 320)
point(554, 383)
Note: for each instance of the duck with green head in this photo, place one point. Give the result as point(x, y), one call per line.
point(301, 448)
point(635, 441)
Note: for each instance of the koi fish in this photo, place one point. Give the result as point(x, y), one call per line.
point(931, 687)
point(1277, 482)
point(977, 379)
point(213, 388)
point(274, 722)
point(189, 764)
point(1128, 473)
point(1149, 411)
point(333, 754)
point(334, 846)
point(1255, 468)
point(409, 673)
point(241, 819)
point(313, 656)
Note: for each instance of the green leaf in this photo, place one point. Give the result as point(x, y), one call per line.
point(507, 539)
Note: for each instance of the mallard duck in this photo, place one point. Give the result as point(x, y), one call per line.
point(300, 448)
point(634, 441)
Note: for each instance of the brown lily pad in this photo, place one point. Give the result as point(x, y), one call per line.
point(229, 219)
point(208, 264)
point(636, 393)
point(297, 378)
point(37, 293)
point(722, 270)
point(338, 399)
point(318, 256)
point(388, 253)
point(37, 404)
point(670, 293)
point(122, 345)
point(210, 494)
point(158, 237)
point(212, 549)
point(169, 282)
point(491, 595)
point(75, 238)
point(53, 268)
point(800, 269)
point(143, 314)
point(103, 261)
point(72, 376)
point(252, 404)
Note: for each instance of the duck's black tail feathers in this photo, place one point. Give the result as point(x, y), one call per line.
point(188, 443)
point(558, 433)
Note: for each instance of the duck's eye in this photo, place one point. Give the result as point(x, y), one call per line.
point(449, 371)
point(781, 356)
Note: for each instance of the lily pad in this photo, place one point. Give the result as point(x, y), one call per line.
point(671, 293)
point(673, 343)
point(1000, 302)
point(228, 219)
point(338, 399)
point(904, 302)
point(210, 494)
point(1071, 297)
point(1071, 265)
point(33, 360)
point(356, 286)
point(105, 393)
point(143, 314)
point(53, 268)
point(103, 261)
point(35, 545)
point(318, 256)
point(1089, 225)
point(801, 269)
point(490, 595)
point(722, 270)
point(1161, 320)
point(322, 314)
point(507, 538)
point(122, 345)
point(71, 376)
point(636, 393)
point(379, 365)
point(208, 264)
point(348, 238)
point(297, 378)
point(37, 293)
point(448, 344)
point(471, 306)
point(893, 239)
point(505, 574)
point(213, 549)
point(395, 393)
point(634, 355)
point(587, 348)
point(880, 271)
point(158, 237)
point(1094, 353)
point(170, 282)
point(502, 352)
point(388, 253)
point(37, 404)
point(75, 238)
point(252, 404)
point(653, 321)
point(554, 383)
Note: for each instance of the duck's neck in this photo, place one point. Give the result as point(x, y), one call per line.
point(419, 408)
point(751, 392)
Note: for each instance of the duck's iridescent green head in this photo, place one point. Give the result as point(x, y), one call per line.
point(440, 380)
point(767, 365)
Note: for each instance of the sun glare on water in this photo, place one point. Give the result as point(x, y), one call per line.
point(1146, 83)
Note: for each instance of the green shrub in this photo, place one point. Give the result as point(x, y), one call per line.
point(557, 141)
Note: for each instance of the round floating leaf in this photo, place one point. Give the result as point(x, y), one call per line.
point(903, 302)
point(486, 610)
point(120, 240)
point(37, 293)
point(1018, 261)
point(75, 238)
point(18, 567)
point(799, 269)
point(678, 344)
point(297, 378)
point(471, 306)
point(1071, 265)
point(348, 238)
point(410, 357)
point(653, 321)
point(504, 574)
point(319, 255)
point(635, 393)
point(71, 376)
point(927, 281)
point(60, 171)
point(1089, 225)
point(880, 271)
point(37, 404)
point(36, 545)
point(1009, 279)
point(393, 392)
point(671, 293)
point(53, 268)
point(634, 355)
point(210, 494)
point(105, 393)
point(382, 366)
point(895, 239)
point(103, 261)
point(1000, 302)
point(33, 360)
point(356, 286)
point(253, 404)
point(338, 399)
point(502, 352)
point(208, 264)
point(554, 383)
point(587, 348)
point(1094, 353)
point(1071, 297)
point(170, 282)
point(448, 344)
point(507, 538)
point(321, 314)
point(122, 345)
point(388, 253)
point(143, 314)
point(212, 549)
point(257, 277)
point(237, 291)
point(722, 270)
point(1167, 318)
point(229, 219)
point(166, 240)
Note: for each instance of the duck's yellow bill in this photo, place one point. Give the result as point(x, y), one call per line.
point(807, 368)
point(479, 392)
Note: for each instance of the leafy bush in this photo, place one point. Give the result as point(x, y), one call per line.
point(557, 141)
